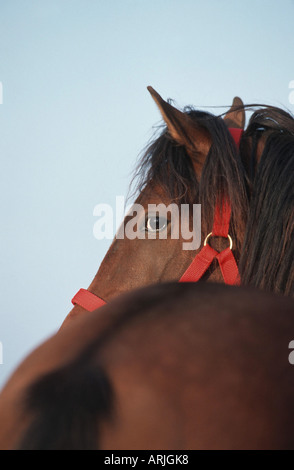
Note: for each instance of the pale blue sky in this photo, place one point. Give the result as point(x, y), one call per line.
point(76, 113)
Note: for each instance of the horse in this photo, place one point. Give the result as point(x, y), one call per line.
point(195, 160)
point(169, 366)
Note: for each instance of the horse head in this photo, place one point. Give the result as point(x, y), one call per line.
point(194, 161)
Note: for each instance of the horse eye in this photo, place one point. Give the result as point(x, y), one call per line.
point(155, 224)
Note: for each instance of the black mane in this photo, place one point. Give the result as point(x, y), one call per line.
point(267, 260)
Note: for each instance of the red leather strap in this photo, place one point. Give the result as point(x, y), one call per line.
point(236, 134)
point(228, 267)
point(199, 265)
point(222, 217)
point(205, 257)
point(87, 300)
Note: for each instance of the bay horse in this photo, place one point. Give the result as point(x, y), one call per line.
point(196, 160)
point(170, 366)
point(179, 366)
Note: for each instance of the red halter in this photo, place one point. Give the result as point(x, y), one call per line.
point(202, 260)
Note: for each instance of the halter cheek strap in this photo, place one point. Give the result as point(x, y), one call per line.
point(202, 260)
point(205, 257)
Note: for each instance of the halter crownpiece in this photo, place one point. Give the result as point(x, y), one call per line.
point(236, 133)
point(202, 260)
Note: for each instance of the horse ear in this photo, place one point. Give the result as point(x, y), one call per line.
point(235, 117)
point(182, 128)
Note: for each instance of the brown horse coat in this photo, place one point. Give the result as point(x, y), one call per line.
point(182, 366)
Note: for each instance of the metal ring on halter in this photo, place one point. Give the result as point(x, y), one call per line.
point(210, 235)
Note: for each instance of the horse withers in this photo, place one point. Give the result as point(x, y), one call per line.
point(169, 366)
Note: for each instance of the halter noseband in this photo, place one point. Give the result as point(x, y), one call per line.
point(202, 260)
